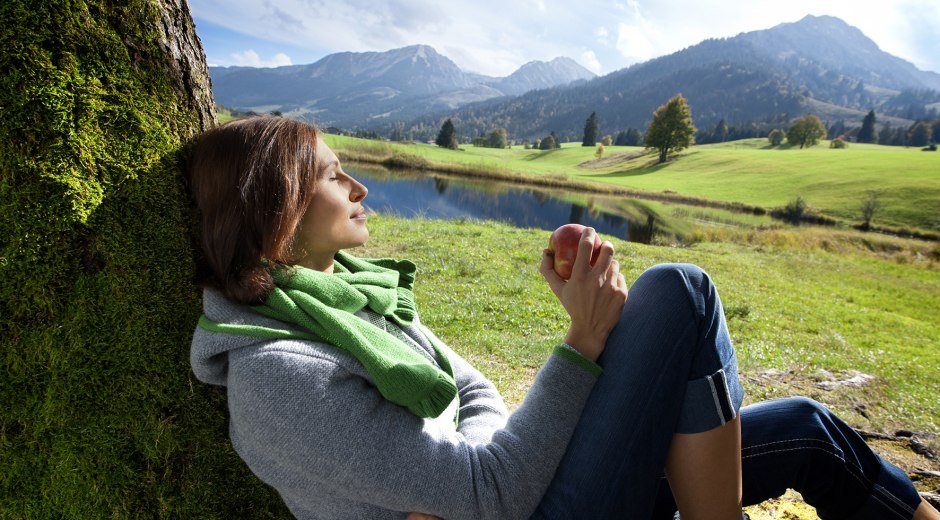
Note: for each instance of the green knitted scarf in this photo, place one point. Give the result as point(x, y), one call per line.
point(323, 305)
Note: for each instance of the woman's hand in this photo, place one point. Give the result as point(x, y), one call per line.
point(421, 516)
point(593, 296)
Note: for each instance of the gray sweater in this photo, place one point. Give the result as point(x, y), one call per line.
point(308, 421)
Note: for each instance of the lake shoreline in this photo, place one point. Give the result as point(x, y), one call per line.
point(398, 160)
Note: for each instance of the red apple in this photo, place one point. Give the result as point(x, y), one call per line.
point(564, 244)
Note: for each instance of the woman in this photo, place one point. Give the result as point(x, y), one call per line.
point(342, 401)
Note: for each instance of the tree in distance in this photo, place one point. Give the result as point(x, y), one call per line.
point(838, 128)
point(633, 137)
point(590, 130)
point(497, 139)
point(867, 134)
point(806, 131)
point(671, 129)
point(776, 137)
point(547, 143)
point(721, 131)
point(838, 143)
point(555, 139)
point(920, 134)
point(447, 137)
point(599, 152)
point(886, 134)
point(870, 204)
point(607, 140)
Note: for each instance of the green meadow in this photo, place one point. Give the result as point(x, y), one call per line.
point(793, 310)
point(832, 181)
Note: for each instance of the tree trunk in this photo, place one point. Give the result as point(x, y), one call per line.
point(102, 417)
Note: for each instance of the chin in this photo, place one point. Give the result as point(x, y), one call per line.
point(363, 238)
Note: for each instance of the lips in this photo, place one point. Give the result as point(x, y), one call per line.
point(360, 214)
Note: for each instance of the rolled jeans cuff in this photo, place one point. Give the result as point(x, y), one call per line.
point(711, 401)
point(892, 496)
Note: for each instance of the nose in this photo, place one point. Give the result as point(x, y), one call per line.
point(358, 191)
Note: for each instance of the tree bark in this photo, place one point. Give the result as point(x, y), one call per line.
point(102, 417)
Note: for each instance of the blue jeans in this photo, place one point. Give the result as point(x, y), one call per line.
point(797, 443)
point(669, 367)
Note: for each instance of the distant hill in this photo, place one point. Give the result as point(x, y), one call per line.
point(817, 65)
point(351, 89)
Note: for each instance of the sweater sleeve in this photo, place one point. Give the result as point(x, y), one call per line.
point(307, 426)
point(482, 409)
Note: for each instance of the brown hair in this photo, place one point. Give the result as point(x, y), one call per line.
point(252, 180)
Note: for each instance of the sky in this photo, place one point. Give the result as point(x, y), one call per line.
point(495, 37)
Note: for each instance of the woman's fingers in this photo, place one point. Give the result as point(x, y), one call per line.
point(547, 269)
point(613, 271)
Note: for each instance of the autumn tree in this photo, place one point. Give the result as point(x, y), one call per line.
point(806, 131)
point(671, 129)
point(776, 137)
point(590, 131)
point(447, 137)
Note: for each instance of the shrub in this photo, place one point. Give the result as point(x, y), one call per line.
point(838, 143)
point(795, 209)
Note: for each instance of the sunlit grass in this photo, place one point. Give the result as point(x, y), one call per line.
point(750, 172)
point(791, 307)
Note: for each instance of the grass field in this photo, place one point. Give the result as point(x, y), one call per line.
point(797, 314)
point(790, 309)
point(833, 182)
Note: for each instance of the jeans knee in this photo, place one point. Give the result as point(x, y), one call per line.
point(668, 274)
point(689, 279)
point(812, 415)
point(806, 408)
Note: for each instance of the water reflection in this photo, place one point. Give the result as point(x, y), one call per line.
point(435, 196)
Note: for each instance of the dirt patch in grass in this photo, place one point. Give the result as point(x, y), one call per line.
point(613, 159)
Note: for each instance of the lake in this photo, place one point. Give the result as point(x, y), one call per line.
point(433, 195)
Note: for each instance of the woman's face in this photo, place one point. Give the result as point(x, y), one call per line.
point(335, 219)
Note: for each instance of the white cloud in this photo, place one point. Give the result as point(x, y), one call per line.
point(590, 61)
point(495, 37)
point(633, 43)
point(250, 58)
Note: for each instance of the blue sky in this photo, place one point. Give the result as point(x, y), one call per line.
point(495, 37)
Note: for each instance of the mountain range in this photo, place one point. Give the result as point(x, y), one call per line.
point(353, 89)
point(817, 65)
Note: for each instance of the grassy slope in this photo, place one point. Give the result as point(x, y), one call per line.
point(833, 181)
point(789, 309)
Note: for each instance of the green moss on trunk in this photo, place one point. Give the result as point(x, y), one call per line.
point(102, 417)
